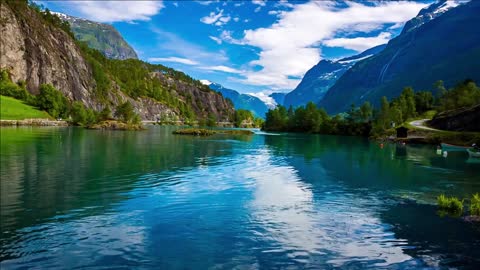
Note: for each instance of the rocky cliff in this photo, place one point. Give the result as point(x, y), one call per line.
point(38, 52)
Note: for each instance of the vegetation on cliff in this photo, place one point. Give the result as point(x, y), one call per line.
point(154, 91)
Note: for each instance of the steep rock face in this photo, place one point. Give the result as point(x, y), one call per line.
point(38, 53)
point(203, 102)
point(466, 119)
point(241, 101)
point(318, 80)
point(446, 48)
point(100, 36)
point(35, 53)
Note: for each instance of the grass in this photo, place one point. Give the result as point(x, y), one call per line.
point(451, 205)
point(475, 205)
point(194, 131)
point(209, 132)
point(14, 109)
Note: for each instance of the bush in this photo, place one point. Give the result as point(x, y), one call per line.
point(126, 113)
point(18, 91)
point(475, 205)
point(450, 204)
point(52, 101)
point(78, 114)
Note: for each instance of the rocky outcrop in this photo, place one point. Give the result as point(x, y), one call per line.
point(37, 52)
point(203, 102)
point(34, 122)
point(465, 119)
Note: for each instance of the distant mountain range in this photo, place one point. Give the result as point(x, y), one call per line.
point(279, 98)
point(240, 101)
point(100, 36)
point(318, 80)
point(441, 43)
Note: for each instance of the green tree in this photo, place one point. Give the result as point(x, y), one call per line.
point(211, 120)
point(52, 101)
point(366, 112)
point(125, 112)
point(105, 114)
point(78, 113)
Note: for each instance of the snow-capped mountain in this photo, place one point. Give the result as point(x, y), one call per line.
point(441, 43)
point(322, 76)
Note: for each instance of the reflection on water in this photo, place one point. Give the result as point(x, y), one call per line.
point(81, 198)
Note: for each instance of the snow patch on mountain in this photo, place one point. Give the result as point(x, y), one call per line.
point(206, 82)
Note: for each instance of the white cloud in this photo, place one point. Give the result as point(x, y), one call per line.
point(175, 4)
point(205, 3)
point(212, 18)
point(221, 68)
point(236, 19)
point(216, 18)
point(173, 59)
point(216, 39)
point(359, 44)
point(239, 4)
point(290, 46)
point(113, 11)
point(171, 44)
point(259, 2)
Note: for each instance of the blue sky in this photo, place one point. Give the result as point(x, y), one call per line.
point(251, 46)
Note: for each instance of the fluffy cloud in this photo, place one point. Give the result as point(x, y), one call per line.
point(113, 11)
point(290, 46)
point(359, 44)
point(174, 60)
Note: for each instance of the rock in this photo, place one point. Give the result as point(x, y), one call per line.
point(466, 119)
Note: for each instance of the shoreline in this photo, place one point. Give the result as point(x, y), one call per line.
point(35, 122)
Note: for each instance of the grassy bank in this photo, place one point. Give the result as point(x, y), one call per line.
point(14, 109)
point(209, 132)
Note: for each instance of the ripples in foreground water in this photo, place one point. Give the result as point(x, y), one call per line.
point(74, 198)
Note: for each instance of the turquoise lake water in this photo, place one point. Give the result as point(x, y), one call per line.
point(75, 198)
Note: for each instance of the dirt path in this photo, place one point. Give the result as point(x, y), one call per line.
point(421, 125)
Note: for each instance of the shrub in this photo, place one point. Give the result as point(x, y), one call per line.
point(450, 204)
point(475, 205)
point(52, 101)
point(78, 113)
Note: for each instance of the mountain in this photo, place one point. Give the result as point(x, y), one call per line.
point(441, 43)
point(279, 98)
point(322, 76)
point(40, 49)
point(240, 101)
point(100, 36)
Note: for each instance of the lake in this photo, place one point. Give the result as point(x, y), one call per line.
point(76, 198)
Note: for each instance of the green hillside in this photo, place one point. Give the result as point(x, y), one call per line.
point(14, 109)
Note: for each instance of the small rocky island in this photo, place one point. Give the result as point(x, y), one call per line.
point(209, 132)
